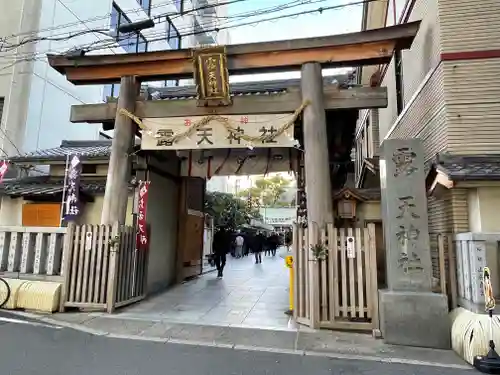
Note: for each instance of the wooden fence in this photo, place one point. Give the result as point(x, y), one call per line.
point(340, 290)
point(104, 270)
point(33, 253)
point(444, 271)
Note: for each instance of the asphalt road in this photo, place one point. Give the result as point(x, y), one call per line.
point(28, 348)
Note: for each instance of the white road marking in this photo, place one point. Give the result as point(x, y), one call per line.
point(18, 321)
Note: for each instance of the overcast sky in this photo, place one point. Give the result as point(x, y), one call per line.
point(329, 22)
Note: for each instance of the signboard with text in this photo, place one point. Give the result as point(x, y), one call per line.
point(72, 193)
point(142, 242)
point(211, 75)
point(215, 134)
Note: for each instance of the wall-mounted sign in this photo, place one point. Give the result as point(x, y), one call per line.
point(211, 76)
point(233, 131)
point(351, 252)
point(279, 220)
point(88, 241)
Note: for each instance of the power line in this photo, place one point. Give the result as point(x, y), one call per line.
point(135, 10)
point(253, 23)
point(111, 42)
point(105, 31)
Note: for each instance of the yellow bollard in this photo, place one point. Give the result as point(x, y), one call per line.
point(289, 264)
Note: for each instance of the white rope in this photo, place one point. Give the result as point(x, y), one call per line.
point(470, 333)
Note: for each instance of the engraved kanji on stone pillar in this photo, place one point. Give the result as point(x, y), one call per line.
point(404, 203)
point(14, 252)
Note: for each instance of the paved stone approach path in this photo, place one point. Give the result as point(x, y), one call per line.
point(249, 295)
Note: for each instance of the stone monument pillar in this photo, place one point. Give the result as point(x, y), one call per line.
point(410, 314)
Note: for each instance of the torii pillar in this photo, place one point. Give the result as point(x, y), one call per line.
point(114, 207)
point(317, 165)
point(317, 172)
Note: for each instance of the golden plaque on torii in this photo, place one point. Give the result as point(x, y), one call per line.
point(211, 76)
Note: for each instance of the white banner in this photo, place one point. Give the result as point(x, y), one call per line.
point(214, 135)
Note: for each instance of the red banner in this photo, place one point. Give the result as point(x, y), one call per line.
point(142, 241)
point(4, 167)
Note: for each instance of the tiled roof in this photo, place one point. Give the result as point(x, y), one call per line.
point(370, 194)
point(47, 185)
point(243, 88)
point(469, 167)
point(100, 149)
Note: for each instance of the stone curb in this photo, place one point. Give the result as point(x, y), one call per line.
point(329, 354)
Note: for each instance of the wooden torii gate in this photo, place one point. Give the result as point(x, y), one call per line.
point(371, 47)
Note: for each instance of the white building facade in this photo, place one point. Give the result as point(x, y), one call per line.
point(35, 100)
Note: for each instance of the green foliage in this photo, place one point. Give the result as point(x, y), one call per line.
point(267, 192)
point(319, 251)
point(229, 211)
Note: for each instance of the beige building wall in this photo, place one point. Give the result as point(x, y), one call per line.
point(451, 95)
point(483, 209)
point(369, 211)
point(451, 92)
point(471, 32)
point(424, 113)
point(162, 214)
point(92, 211)
point(11, 211)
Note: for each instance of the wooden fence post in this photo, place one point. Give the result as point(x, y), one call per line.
point(113, 268)
point(373, 275)
point(67, 256)
point(442, 266)
point(314, 287)
point(295, 257)
point(453, 271)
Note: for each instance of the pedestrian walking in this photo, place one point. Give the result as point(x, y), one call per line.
point(274, 242)
point(260, 240)
point(239, 242)
point(288, 239)
point(221, 246)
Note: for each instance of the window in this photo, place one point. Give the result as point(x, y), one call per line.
point(179, 4)
point(398, 67)
point(173, 36)
point(130, 42)
point(395, 11)
point(172, 83)
point(115, 17)
point(2, 101)
point(142, 43)
point(146, 5)
point(369, 138)
point(111, 91)
point(89, 168)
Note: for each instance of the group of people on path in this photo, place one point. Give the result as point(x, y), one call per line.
point(242, 244)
